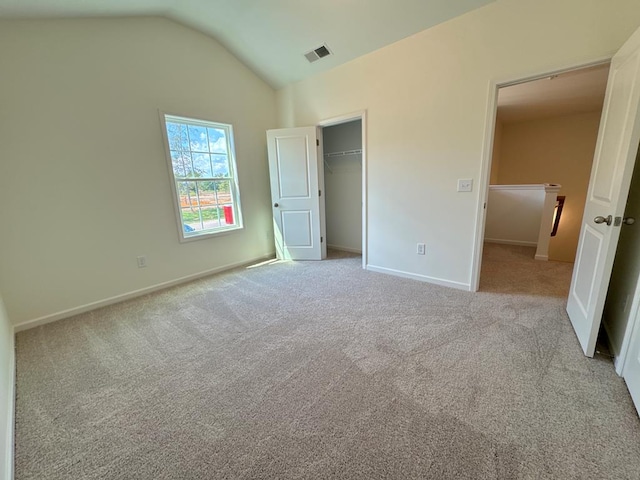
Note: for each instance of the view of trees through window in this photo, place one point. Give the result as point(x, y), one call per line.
point(203, 171)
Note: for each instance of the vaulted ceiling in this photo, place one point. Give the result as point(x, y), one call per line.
point(272, 36)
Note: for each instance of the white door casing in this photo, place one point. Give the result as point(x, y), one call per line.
point(623, 294)
point(295, 193)
point(631, 369)
point(608, 189)
point(627, 285)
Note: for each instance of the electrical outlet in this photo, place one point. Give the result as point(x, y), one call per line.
point(465, 184)
point(142, 261)
point(420, 249)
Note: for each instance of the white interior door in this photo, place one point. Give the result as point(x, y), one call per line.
point(608, 189)
point(295, 193)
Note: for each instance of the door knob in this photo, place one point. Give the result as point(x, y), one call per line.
point(601, 219)
point(628, 220)
point(276, 205)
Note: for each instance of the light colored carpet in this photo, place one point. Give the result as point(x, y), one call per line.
point(323, 370)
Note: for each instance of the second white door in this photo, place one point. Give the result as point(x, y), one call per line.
point(296, 184)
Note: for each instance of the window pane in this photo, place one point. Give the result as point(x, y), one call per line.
point(217, 140)
point(209, 203)
point(190, 227)
point(189, 205)
point(202, 165)
point(225, 201)
point(191, 221)
point(181, 164)
point(223, 189)
point(220, 166)
point(188, 194)
point(198, 138)
point(177, 136)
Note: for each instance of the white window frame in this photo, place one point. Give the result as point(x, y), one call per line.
point(233, 177)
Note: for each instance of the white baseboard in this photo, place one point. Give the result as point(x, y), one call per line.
point(511, 242)
point(345, 249)
point(617, 365)
point(421, 278)
point(542, 257)
point(129, 295)
point(613, 349)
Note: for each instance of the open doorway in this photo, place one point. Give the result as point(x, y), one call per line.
point(342, 159)
point(344, 166)
point(604, 208)
point(545, 134)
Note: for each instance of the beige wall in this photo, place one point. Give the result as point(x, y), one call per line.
point(553, 150)
point(84, 185)
point(426, 99)
point(7, 366)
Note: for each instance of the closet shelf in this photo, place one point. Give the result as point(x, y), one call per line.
point(344, 153)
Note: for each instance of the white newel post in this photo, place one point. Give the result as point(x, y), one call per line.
point(546, 221)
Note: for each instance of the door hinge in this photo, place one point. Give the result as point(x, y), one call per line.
point(319, 193)
point(317, 142)
point(485, 205)
point(321, 239)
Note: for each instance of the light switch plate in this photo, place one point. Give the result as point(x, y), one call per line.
point(465, 184)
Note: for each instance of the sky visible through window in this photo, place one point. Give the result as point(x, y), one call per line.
point(198, 151)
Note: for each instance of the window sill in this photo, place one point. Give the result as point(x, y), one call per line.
point(205, 235)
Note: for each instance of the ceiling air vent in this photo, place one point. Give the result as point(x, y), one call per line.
point(320, 52)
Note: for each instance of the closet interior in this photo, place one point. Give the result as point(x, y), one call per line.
point(342, 157)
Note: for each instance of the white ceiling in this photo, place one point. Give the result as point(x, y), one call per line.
point(272, 36)
point(577, 91)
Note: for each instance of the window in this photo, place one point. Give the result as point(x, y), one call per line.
point(203, 173)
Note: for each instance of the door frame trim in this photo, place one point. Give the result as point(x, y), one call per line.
point(487, 152)
point(349, 117)
point(633, 322)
